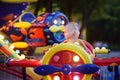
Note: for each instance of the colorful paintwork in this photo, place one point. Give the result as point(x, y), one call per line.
point(46, 29)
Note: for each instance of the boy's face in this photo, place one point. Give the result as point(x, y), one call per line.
point(67, 33)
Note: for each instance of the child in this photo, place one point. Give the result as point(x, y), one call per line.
point(71, 33)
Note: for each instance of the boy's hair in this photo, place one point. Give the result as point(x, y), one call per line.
point(73, 28)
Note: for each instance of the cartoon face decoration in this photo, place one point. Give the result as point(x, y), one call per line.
point(55, 23)
point(51, 26)
point(46, 29)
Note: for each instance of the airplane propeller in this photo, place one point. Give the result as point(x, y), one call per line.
point(65, 69)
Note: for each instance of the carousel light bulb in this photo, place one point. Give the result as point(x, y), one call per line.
point(12, 47)
point(22, 56)
point(103, 48)
point(1, 37)
point(97, 48)
point(76, 78)
point(7, 42)
point(76, 58)
point(17, 51)
point(63, 22)
point(15, 16)
point(55, 21)
point(56, 78)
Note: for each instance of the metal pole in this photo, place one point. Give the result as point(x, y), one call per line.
point(24, 73)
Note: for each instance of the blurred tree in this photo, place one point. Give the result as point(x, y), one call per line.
point(104, 23)
point(40, 6)
point(82, 8)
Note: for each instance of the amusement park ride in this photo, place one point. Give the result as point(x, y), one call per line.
point(63, 61)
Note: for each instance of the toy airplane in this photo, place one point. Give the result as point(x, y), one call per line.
point(63, 61)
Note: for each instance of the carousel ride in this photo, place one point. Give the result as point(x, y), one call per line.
point(63, 61)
